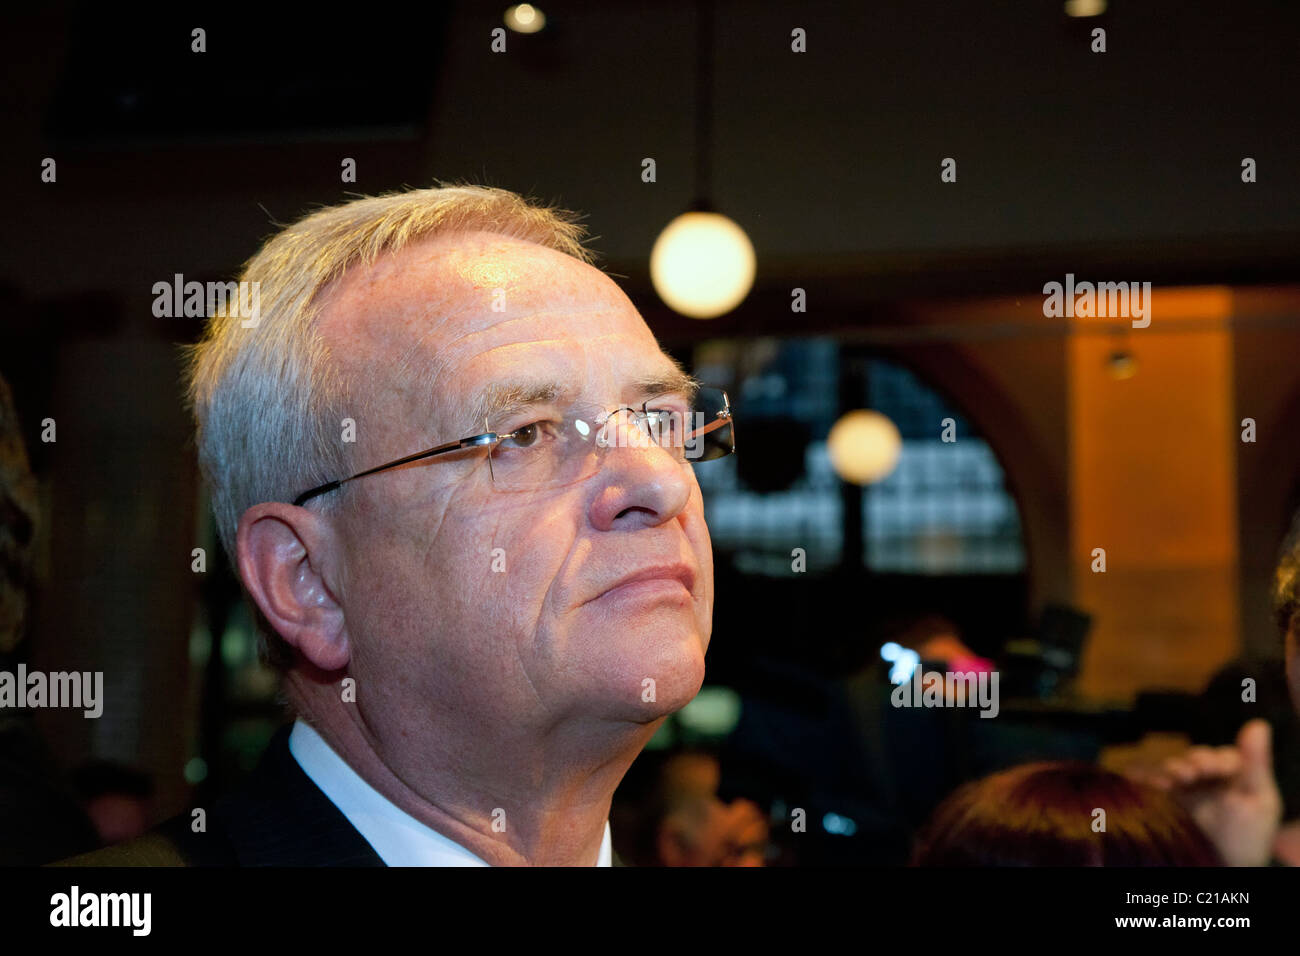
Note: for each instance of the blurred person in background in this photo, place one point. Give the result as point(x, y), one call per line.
point(936, 639)
point(118, 799)
point(1228, 703)
point(699, 829)
point(1049, 814)
point(675, 817)
point(1286, 605)
point(1286, 613)
point(40, 819)
point(1232, 791)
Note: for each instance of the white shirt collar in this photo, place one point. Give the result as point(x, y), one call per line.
point(398, 838)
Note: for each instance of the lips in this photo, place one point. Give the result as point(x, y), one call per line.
point(664, 572)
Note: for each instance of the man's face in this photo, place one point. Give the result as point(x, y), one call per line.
point(464, 602)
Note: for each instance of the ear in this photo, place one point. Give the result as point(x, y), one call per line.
point(288, 558)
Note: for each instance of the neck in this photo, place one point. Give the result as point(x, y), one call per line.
point(510, 796)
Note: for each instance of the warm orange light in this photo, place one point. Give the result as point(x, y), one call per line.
point(864, 447)
point(525, 18)
point(702, 265)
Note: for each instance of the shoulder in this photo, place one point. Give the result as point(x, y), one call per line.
point(279, 817)
point(173, 843)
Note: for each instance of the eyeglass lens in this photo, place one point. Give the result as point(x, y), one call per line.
point(558, 450)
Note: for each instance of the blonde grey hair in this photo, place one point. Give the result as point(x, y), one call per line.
point(268, 399)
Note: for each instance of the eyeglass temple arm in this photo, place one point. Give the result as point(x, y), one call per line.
point(724, 418)
point(485, 439)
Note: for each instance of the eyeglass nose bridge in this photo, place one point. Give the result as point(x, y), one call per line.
point(610, 419)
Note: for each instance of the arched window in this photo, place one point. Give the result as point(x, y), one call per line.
point(944, 510)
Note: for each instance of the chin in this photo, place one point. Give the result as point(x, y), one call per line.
point(674, 664)
point(613, 650)
point(677, 687)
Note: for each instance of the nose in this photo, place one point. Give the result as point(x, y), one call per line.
point(639, 485)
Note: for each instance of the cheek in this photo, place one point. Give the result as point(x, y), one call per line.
point(523, 549)
point(412, 565)
point(697, 533)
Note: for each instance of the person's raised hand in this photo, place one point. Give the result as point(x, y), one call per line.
point(1231, 792)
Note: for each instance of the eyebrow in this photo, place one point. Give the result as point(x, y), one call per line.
point(500, 400)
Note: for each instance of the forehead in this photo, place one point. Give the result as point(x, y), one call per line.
point(447, 317)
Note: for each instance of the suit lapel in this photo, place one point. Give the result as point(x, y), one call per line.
point(281, 818)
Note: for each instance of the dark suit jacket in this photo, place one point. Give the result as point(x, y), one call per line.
point(278, 818)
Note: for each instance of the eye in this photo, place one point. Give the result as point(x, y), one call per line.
point(666, 414)
point(669, 405)
point(670, 421)
point(528, 436)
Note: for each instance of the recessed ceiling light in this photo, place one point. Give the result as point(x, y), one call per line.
point(525, 18)
point(1085, 8)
